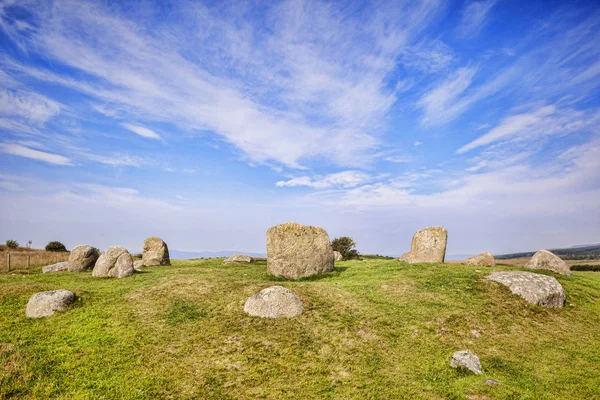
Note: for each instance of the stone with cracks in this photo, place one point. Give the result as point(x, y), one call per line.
point(538, 289)
point(138, 264)
point(83, 257)
point(337, 256)
point(115, 262)
point(544, 259)
point(481, 260)
point(239, 258)
point(295, 251)
point(466, 359)
point(428, 246)
point(45, 304)
point(155, 252)
point(274, 302)
point(60, 266)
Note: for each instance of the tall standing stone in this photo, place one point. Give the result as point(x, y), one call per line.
point(428, 246)
point(295, 251)
point(155, 252)
point(83, 257)
point(544, 259)
point(115, 262)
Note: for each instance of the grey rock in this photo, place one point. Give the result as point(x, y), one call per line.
point(239, 258)
point(492, 382)
point(481, 260)
point(337, 256)
point(274, 302)
point(115, 262)
point(138, 264)
point(83, 257)
point(466, 359)
point(544, 259)
point(295, 251)
point(538, 289)
point(428, 246)
point(60, 266)
point(45, 304)
point(155, 252)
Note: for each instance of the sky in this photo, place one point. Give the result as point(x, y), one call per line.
point(205, 123)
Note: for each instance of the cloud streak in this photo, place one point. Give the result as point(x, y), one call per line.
point(23, 151)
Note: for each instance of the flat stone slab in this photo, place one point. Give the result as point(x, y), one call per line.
point(274, 302)
point(538, 289)
point(45, 304)
point(60, 266)
point(239, 258)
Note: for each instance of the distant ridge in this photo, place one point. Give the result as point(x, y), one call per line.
point(574, 252)
point(186, 255)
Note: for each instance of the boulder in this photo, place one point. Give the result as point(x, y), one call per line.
point(466, 359)
point(428, 245)
point(274, 302)
point(138, 264)
point(295, 251)
point(83, 257)
point(115, 262)
point(544, 259)
point(239, 258)
point(155, 252)
point(45, 304)
point(337, 256)
point(538, 289)
point(60, 266)
point(481, 260)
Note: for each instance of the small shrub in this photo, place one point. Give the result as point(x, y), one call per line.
point(585, 267)
point(12, 244)
point(55, 246)
point(345, 245)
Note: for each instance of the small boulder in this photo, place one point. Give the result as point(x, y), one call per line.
point(538, 289)
point(155, 252)
point(239, 258)
point(481, 260)
point(337, 256)
point(466, 359)
point(83, 257)
point(138, 264)
point(60, 266)
point(295, 251)
point(544, 259)
point(428, 246)
point(115, 262)
point(274, 302)
point(45, 304)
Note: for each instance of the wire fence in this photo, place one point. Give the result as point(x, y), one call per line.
point(19, 260)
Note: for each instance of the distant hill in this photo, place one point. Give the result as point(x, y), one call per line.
point(187, 255)
point(579, 252)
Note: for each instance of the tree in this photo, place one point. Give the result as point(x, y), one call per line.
point(345, 245)
point(55, 246)
point(29, 242)
point(12, 244)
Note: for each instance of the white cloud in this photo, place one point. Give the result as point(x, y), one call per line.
point(23, 151)
point(345, 179)
point(143, 132)
point(474, 17)
point(417, 143)
point(30, 106)
point(118, 159)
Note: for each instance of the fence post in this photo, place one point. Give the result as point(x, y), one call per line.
point(28, 261)
point(8, 260)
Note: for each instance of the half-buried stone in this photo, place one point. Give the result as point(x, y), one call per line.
point(45, 304)
point(427, 246)
point(239, 258)
point(538, 289)
point(481, 260)
point(83, 257)
point(155, 252)
point(467, 360)
point(60, 266)
point(115, 262)
point(544, 259)
point(274, 302)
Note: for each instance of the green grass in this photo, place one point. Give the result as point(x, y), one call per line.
point(373, 329)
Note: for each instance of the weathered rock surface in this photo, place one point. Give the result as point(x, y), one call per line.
point(83, 257)
point(544, 259)
point(115, 262)
point(481, 260)
point(155, 252)
point(538, 289)
point(60, 266)
point(239, 258)
point(45, 304)
point(138, 264)
point(337, 256)
point(274, 302)
point(466, 359)
point(428, 245)
point(295, 251)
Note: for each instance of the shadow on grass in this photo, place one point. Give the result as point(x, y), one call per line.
point(337, 271)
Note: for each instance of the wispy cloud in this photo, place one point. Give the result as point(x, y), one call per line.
point(23, 151)
point(143, 132)
point(118, 159)
point(345, 179)
point(474, 17)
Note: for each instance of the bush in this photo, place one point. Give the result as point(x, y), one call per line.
point(55, 246)
point(12, 244)
point(585, 267)
point(345, 245)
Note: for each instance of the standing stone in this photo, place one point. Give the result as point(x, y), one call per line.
point(83, 257)
point(239, 258)
point(45, 304)
point(155, 252)
point(60, 266)
point(274, 302)
point(428, 246)
point(466, 359)
point(538, 289)
point(337, 256)
point(115, 262)
point(295, 251)
point(544, 259)
point(481, 260)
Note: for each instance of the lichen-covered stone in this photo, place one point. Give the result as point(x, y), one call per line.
point(337, 256)
point(481, 260)
point(138, 264)
point(428, 246)
point(155, 252)
point(274, 302)
point(83, 257)
point(115, 262)
point(538, 289)
point(45, 304)
point(466, 359)
point(239, 258)
point(60, 266)
point(544, 259)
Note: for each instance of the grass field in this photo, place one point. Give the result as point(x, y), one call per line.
point(37, 258)
point(373, 329)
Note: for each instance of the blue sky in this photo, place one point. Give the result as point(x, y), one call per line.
point(207, 122)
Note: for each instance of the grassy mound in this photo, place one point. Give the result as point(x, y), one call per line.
point(371, 329)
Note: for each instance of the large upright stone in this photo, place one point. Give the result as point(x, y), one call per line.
point(544, 259)
point(295, 251)
point(115, 262)
point(481, 260)
point(83, 257)
point(428, 245)
point(155, 252)
point(45, 304)
point(538, 289)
